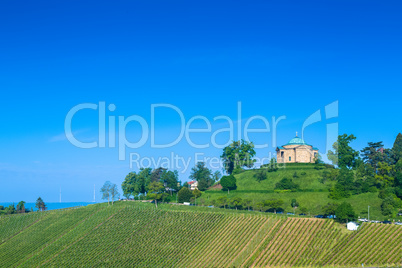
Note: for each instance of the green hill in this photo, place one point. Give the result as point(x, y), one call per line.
point(133, 234)
point(313, 194)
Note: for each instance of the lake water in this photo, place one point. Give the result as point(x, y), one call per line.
point(50, 206)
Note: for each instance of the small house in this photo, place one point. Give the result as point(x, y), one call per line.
point(193, 185)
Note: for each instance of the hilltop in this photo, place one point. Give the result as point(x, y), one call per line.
point(138, 235)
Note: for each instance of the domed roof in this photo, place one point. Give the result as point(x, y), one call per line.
point(297, 141)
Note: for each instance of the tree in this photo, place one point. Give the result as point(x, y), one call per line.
point(202, 175)
point(344, 185)
point(294, 204)
point(345, 213)
point(318, 159)
point(237, 155)
point(222, 201)
point(273, 165)
point(40, 205)
point(384, 175)
point(373, 154)
point(184, 195)
point(397, 148)
point(343, 155)
point(156, 174)
point(21, 207)
point(10, 209)
point(274, 204)
point(330, 209)
point(196, 193)
point(216, 176)
point(170, 179)
point(130, 186)
point(114, 192)
point(228, 183)
point(236, 202)
point(105, 190)
point(247, 203)
point(286, 184)
point(155, 191)
point(260, 175)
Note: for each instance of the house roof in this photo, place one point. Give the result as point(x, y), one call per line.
point(192, 182)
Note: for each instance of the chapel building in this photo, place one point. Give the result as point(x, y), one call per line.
point(296, 151)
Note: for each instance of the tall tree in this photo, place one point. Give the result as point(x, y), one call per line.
point(345, 213)
point(105, 190)
point(170, 179)
point(114, 192)
point(373, 154)
point(130, 185)
point(21, 207)
point(202, 175)
point(237, 155)
point(40, 205)
point(397, 148)
point(344, 156)
point(156, 191)
point(156, 174)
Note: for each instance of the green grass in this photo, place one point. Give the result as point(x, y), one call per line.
point(309, 181)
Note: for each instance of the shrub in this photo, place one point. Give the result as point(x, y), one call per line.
point(286, 184)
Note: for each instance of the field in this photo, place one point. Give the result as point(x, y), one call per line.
point(136, 234)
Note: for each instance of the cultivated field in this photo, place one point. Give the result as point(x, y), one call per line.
point(138, 235)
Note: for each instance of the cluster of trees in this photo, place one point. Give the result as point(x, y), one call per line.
point(272, 205)
point(11, 209)
point(373, 169)
point(155, 181)
point(159, 184)
point(110, 192)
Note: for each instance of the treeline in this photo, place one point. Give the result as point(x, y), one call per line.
point(373, 169)
point(160, 184)
point(20, 208)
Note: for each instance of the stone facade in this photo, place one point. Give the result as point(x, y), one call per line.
point(296, 151)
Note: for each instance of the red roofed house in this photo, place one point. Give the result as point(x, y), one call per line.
point(193, 185)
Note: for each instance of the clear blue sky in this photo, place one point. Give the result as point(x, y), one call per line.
point(279, 58)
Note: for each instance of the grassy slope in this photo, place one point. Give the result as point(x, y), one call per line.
point(313, 201)
point(132, 234)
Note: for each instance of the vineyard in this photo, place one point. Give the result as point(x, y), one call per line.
point(138, 235)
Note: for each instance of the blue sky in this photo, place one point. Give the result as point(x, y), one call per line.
point(278, 58)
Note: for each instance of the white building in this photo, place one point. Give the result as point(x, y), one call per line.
point(352, 226)
point(193, 185)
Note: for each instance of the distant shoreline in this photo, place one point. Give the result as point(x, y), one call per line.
point(50, 205)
